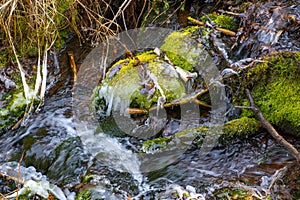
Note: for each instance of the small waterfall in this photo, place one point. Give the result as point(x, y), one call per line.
point(109, 151)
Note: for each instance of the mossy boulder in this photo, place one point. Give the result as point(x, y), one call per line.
point(138, 82)
point(275, 86)
point(63, 161)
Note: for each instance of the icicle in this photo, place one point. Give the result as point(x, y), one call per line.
point(44, 73)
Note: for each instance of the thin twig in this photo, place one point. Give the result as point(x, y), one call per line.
point(244, 107)
point(176, 102)
point(19, 173)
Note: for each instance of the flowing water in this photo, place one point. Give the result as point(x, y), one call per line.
point(51, 144)
point(50, 139)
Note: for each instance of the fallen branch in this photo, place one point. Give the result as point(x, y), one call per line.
point(223, 30)
point(176, 102)
point(268, 126)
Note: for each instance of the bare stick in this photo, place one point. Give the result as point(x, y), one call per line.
point(19, 173)
point(271, 129)
point(223, 30)
point(73, 65)
point(173, 103)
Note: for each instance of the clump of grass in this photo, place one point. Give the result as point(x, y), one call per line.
point(30, 26)
point(33, 27)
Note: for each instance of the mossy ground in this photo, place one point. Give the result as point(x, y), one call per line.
point(14, 107)
point(275, 86)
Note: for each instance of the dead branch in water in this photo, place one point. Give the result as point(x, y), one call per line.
point(223, 30)
point(268, 126)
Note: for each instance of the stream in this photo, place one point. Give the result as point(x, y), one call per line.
point(53, 148)
point(67, 152)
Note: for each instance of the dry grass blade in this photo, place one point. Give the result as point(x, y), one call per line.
point(99, 26)
point(32, 22)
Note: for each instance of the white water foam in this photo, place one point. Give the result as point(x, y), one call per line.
point(110, 152)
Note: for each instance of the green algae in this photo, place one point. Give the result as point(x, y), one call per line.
point(275, 87)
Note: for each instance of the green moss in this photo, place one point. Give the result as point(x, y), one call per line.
point(84, 195)
point(178, 48)
point(130, 63)
point(239, 128)
point(88, 178)
point(172, 88)
point(17, 104)
point(13, 111)
point(26, 195)
point(276, 89)
point(233, 192)
point(182, 47)
point(190, 30)
point(222, 21)
point(232, 130)
point(5, 55)
point(152, 145)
